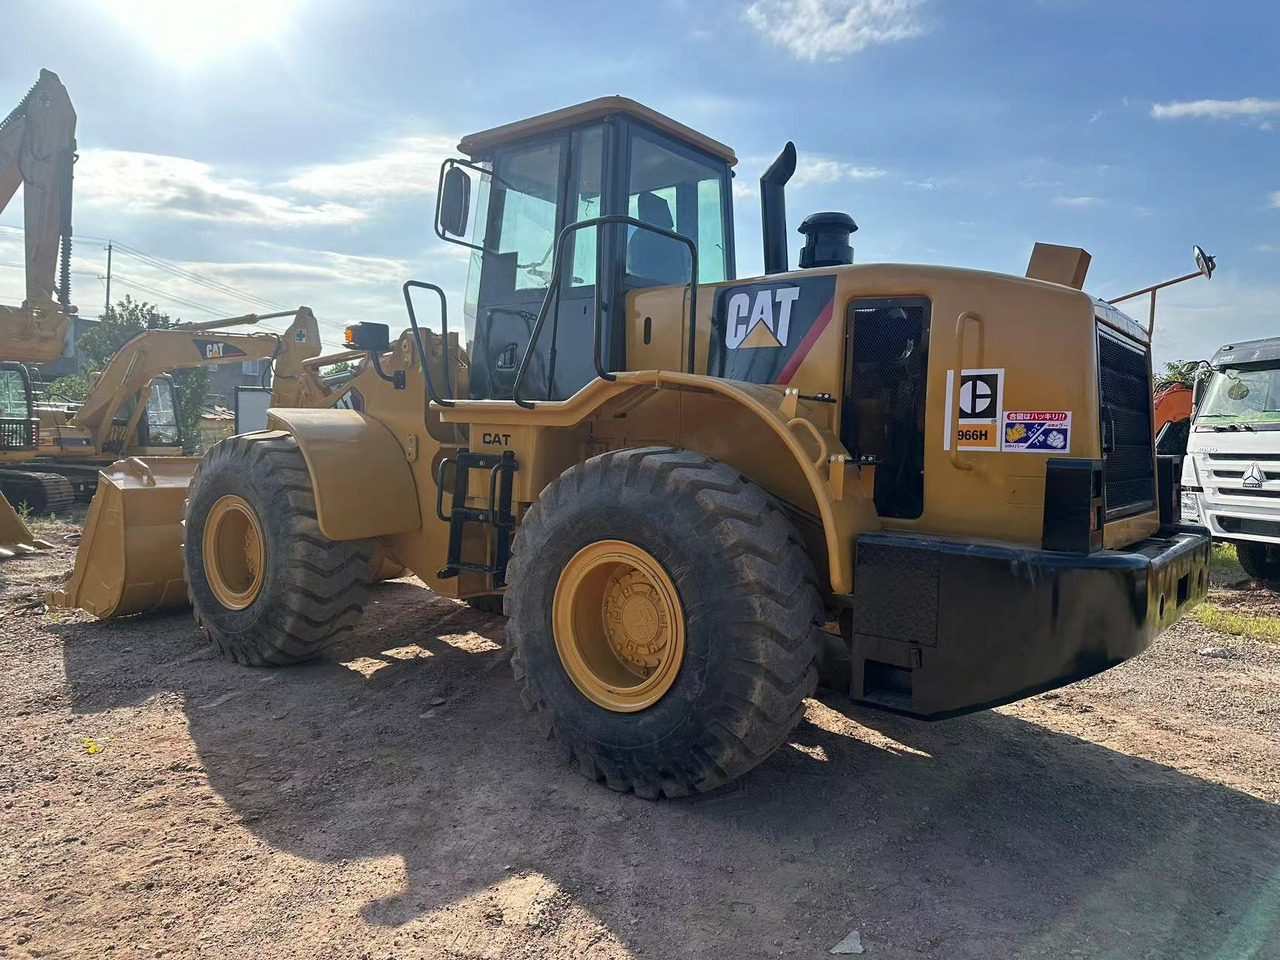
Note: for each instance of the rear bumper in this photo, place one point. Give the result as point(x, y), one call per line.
point(942, 627)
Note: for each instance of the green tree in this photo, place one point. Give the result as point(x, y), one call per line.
point(120, 324)
point(69, 389)
point(338, 369)
point(1174, 372)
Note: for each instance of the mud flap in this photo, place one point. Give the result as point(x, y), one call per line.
point(130, 556)
point(16, 538)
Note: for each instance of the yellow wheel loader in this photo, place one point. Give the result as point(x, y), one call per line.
point(692, 490)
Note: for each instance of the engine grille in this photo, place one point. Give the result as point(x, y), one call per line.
point(1124, 385)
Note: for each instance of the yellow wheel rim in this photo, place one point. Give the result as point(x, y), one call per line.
point(619, 626)
point(234, 552)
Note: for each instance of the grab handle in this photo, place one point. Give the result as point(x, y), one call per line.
point(954, 426)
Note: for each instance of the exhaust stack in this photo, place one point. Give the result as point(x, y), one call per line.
point(773, 209)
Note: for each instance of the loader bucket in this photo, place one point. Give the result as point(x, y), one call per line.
point(130, 556)
point(16, 538)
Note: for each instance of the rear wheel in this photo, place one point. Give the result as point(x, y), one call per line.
point(1260, 560)
point(266, 585)
point(664, 620)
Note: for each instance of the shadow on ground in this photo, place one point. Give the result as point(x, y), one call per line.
point(984, 836)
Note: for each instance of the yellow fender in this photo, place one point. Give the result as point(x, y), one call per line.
point(363, 484)
point(813, 470)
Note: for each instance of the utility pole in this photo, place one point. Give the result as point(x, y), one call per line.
point(108, 302)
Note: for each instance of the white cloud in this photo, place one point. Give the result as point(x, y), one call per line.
point(831, 29)
point(130, 183)
point(1275, 199)
point(409, 166)
point(1248, 108)
point(1077, 202)
point(811, 170)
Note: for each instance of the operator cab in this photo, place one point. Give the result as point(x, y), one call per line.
point(157, 430)
point(19, 428)
point(610, 156)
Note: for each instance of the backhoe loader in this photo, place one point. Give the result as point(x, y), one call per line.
point(688, 487)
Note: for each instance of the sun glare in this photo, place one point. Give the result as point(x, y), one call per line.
point(191, 32)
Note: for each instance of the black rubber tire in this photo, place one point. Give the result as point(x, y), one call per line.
point(752, 612)
point(1257, 563)
point(314, 588)
point(43, 493)
point(490, 603)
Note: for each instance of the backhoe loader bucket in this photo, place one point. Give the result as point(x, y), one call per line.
point(130, 557)
point(16, 538)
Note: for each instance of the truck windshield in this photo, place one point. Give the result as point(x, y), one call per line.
point(1242, 395)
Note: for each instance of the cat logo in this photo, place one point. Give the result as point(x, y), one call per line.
point(762, 323)
point(217, 349)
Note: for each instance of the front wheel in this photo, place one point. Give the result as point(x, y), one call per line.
point(664, 620)
point(266, 585)
point(1260, 561)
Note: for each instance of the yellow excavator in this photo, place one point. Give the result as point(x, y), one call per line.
point(693, 491)
point(37, 153)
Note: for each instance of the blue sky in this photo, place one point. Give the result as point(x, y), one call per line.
point(290, 148)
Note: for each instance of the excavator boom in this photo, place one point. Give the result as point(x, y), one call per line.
point(37, 152)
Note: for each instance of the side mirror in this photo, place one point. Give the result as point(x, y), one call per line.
point(454, 203)
point(1204, 263)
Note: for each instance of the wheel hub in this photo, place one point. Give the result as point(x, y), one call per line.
point(619, 626)
point(635, 620)
point(234, 552)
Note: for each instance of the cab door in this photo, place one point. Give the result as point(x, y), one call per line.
point(538, 187)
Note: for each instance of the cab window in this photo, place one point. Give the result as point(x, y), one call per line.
point(522, 218)
point(13, 395)
point(672, 187)
point(162, 415)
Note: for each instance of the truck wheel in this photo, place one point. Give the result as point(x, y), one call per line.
point(1259, 561)
point(664, 619)
point(266, 585)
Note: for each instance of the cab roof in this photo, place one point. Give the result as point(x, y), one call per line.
point(1247, 351)
point(478, 143)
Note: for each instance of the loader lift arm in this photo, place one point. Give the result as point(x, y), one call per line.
point(37, 152)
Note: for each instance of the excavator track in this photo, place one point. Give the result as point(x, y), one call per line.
point(43, 493)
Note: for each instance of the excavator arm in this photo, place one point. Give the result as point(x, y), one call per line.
point(154, 352)
point(37, 151)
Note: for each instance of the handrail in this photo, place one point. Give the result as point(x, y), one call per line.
point(554, 294)
point(954, 427)
point(444, 339)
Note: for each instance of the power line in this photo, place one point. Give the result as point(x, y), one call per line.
point(173, 269)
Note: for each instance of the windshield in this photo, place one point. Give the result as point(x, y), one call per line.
point(1242, 396)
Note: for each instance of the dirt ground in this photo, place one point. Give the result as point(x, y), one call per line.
point(392, 800)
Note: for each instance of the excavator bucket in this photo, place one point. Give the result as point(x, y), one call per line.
point(16, 538)
point(130, 556)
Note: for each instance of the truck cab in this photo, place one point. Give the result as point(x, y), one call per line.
point(1231, 472)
